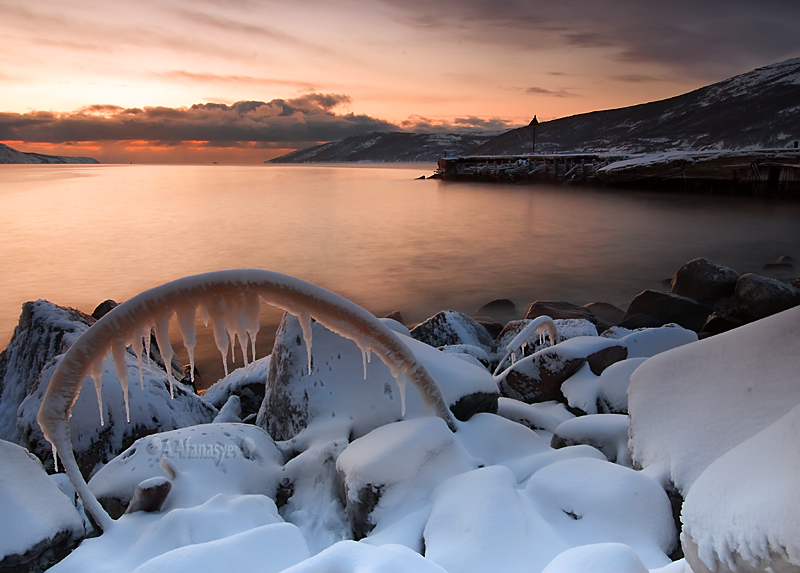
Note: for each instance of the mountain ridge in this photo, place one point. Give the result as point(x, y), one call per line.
point(11, 156)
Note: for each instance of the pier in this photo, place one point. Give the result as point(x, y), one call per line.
point(769, 173)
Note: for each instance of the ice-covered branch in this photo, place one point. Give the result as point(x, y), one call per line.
point(231, 300)
point(538, 324)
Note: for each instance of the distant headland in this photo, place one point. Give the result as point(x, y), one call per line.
point(10, 155)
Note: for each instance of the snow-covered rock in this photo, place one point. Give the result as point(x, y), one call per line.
point(742, 513)
point(337, 389)
point(248, 383)
point(606, 432)
point(226, 533)
point(567, 328)
point(604, 394)
point(45, 330)
point(151, 410)
point(353, 557)
point(597, 558)
point(206, 459)
point(648, 342)
point(538, 378)
point(39, 524)
point(391, 472)
point(691, 405)
point(448, 328)
point(540, 416)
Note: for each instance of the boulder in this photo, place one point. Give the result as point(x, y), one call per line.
point(46, 331)
point(606, 313)
point(449, 327)
point(538, 378)
point(395, 315)
point(208, 459)
point(606, 432)
point(758, 296)
point(567, 328)
point(669, 308)
point(40, 524)
point(345, 387)
point(248, 384)
point(559, 309)
point(639, 320)
point(502, 310)
point(704, 281)
point(493, 328)
point(390, 471)
point(718, 323)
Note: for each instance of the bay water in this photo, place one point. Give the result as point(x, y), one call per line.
point(80, 234)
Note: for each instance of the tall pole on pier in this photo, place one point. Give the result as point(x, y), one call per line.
point(534, 122)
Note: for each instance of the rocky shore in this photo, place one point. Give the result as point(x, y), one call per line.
point(315, 432)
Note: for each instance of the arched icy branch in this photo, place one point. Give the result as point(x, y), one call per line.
point(537, 324)
point(231, 300)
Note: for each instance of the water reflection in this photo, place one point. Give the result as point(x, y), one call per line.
point(77, 235)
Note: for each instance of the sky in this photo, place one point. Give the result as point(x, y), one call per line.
point(243, 81)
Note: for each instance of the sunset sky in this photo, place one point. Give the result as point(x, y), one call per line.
point(242, 81)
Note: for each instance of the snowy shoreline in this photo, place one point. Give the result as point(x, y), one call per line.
point(573, 456)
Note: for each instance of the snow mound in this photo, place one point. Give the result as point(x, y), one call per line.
point(741, 513)
point(694, 403)
point(207, 459)
point(651, 341)
point(606, 432)
point(248, 383)
point(224, 532)
point(36, 513)
point(597, 558)
point(353, 557)
point(604, 394)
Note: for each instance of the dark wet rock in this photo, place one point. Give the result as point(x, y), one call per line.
point(639, 320)
point(559, 309)
point(103, 308)
point(758, 296)
point(669, 308)
point(46, 524)
point(472, 404)
point(395, 315)
point(602, 359)
point(493, 328)
point(150, 495)
point(704, 281)
point(449, 328)
point(718, 323)
point(538, 378)
point(605, 312)
point(501, 310)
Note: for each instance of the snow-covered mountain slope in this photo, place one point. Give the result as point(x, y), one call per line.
point(11, 155)
point(387, 146)
point(759, 109)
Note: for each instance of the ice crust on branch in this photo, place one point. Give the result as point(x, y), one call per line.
point(231, 299)
point(539, 324)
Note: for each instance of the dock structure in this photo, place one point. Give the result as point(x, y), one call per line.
point(774, 173)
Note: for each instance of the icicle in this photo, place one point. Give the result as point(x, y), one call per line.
point(187, 316)
point(366, 356)
point(162, 338)
point(118, 353)
point(400, 378)
point(305, 325)
point(96, 373)
point(204, 315)
point(55, 458)
point(148, 337)
point(214, 310)
point(252, 308)
point(137, 345)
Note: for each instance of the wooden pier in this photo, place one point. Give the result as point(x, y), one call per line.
point(772, 173)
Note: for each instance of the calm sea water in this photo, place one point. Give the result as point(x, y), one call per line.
point(77, 235)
